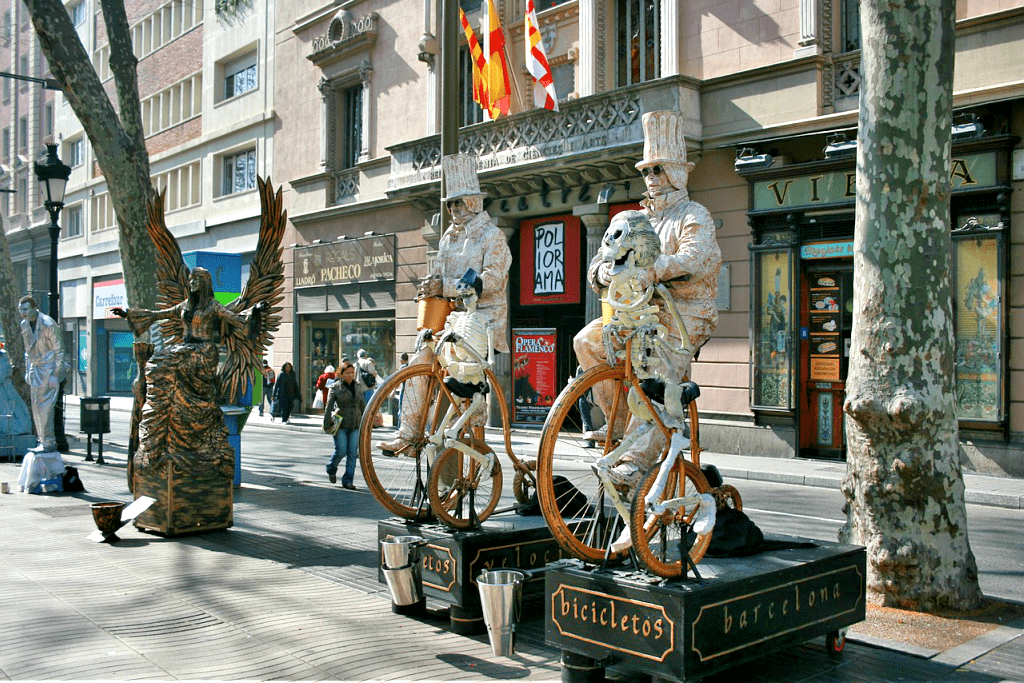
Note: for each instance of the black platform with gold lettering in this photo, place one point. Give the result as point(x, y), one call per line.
point(746, 608)
point(452, 560)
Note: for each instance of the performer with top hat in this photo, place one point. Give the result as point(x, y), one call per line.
point(472, 241)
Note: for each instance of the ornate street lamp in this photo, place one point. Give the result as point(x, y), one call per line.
point(53, 177)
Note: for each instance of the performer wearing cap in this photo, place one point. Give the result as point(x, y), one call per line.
point(471, 241)
point(688, 248)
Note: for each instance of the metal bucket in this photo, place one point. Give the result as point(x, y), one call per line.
point(405, 585)
point(399, 551)
point(501, 597)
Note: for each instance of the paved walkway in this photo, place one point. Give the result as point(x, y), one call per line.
point(285, 594)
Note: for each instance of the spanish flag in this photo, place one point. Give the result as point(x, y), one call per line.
point(496, 74)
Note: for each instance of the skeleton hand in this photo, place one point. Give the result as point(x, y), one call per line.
point(604, 273)
point(430, 286)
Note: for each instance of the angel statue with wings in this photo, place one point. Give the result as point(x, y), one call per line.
point(182, 439)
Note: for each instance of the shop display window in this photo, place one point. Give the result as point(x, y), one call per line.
point(978, 319)
point(773, 362)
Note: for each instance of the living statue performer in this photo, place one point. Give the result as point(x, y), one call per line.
point(44, 368)
point(183, 458)
point(688, 264)
point(471, 241)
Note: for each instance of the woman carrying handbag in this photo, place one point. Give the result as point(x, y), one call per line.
point(344, 403)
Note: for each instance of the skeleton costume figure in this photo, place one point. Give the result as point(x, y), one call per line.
point(44, 368)
point(471, 241)
point(688, 264)
point(465, 348)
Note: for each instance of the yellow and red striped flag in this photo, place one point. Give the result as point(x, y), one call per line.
point(479, 64)
point(537, 63)
point(496, 76)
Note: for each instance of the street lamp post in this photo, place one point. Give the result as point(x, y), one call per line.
point(53, 177)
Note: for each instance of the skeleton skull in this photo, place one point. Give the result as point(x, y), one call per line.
point(630, 234)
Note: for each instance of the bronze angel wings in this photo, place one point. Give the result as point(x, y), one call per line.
point(259, 302)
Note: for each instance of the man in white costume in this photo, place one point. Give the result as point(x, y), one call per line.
point(688, 265)
point(44, 368)
point(471, 241)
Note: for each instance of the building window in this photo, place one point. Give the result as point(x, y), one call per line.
point(352, 125)
point(23, 68)
point(77, 13)
point(74, 152)
point(469, 111)
point(72, 221)
point(22, 195)
point(564, 77)
point(239, 172)
point(101, 62)
point(102, 213)
point(7, 88)
point(849, 20)
point(23, 133)
point(48, 120)
point(638, 26)
point(172, 105)
point(240, 76)
point(164, 25)
point(6, 146)
point(180, 186)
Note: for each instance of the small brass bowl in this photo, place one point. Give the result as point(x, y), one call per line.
point(108, 518)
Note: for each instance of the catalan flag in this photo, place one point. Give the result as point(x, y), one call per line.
point(479, 64)
point(537, 63)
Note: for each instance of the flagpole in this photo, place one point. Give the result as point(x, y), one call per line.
point(516, 85)
point(450, 26)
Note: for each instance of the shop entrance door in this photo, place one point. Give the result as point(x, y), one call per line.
point(826, 318)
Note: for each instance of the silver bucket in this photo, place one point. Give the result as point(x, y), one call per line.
point(501, 597)
point(405, 585)
point(398, 551)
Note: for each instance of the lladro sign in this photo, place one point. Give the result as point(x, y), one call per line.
point(368, 259)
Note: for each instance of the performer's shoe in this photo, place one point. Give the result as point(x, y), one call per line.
point(332, 477)
point(392, 448)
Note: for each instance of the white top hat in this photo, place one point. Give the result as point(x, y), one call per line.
point(663, 139)
point(460, 179)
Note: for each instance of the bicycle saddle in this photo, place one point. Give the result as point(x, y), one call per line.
point(463, 390)
point(655, 390)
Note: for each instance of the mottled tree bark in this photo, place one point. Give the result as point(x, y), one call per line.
point(115, 134)
point(904, 487)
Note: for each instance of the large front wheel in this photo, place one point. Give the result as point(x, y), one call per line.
point(398, 478)
point(660, 540)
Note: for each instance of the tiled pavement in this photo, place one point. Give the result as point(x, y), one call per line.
point(290, 592)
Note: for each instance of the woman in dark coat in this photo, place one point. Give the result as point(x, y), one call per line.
point(286, 390)
point(345, 399)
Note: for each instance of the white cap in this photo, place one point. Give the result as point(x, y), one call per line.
point(460, 178)
point(664, 142)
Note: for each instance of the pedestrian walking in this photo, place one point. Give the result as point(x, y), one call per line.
point(286, 392)
point(323, 385)
point(269, 377)
point(344, 401)
point(404, 358)
point(367, 374)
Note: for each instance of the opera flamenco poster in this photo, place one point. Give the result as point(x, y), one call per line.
point(533, 370)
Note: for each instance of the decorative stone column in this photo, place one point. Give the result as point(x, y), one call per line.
point(809, 44)
point(326, 116)
point(670, 32)
point(365, 71)
point(594, 218)
point(588, 54)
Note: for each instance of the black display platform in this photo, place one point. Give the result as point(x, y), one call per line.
point(452, 560)
point(683, 630)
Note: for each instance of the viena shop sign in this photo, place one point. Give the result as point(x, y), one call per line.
point(821, 189)
point(367, 259)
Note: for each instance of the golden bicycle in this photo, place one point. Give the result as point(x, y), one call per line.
point(588, 516)
point(454, 477)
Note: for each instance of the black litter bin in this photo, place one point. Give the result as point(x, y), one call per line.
point(95, 419)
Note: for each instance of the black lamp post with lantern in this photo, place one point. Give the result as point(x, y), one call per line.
point(53, 177)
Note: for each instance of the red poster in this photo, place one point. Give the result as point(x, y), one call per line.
point(534, 371)
point(549, 254)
